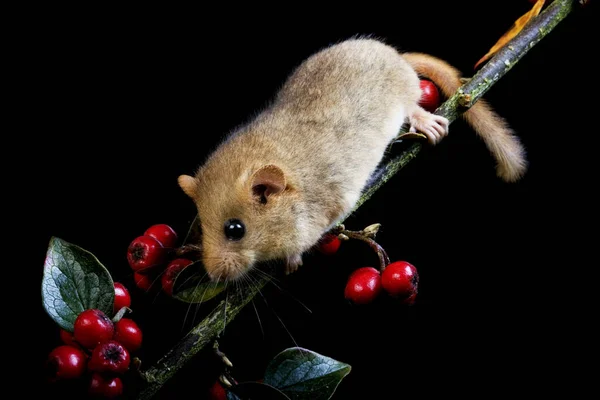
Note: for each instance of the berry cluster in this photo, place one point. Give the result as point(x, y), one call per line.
point(400, 279)
point(98, 348)
point(152, 255)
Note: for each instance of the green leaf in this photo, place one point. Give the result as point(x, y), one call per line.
point(305, 375)
point(193, 285)
point(73, 281)
point(255, 391)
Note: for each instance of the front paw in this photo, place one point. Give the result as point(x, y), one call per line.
point(292, 263)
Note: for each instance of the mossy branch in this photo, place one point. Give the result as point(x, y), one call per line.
point(210, 327)
point(197, 339)
point(480, 83)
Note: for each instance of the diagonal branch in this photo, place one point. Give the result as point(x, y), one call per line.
point(209, 328)
point(481, 82)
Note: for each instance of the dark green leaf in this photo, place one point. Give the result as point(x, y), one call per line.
point(193, 285)
point(305, 375)
point(255, 391)
point(73, 281)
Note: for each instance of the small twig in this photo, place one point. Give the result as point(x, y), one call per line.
point(367, 235)
point(223, 357)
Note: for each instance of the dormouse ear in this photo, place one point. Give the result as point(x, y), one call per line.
point(267, 181)
point(187, 184)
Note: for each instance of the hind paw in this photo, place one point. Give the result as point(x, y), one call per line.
point(434, 127)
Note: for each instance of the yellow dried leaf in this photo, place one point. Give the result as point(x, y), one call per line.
point(513, 31)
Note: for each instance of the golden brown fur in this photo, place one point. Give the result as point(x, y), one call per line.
point(300, 165)
point(493, 129)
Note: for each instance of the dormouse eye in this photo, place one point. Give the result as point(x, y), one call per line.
point(234, 229)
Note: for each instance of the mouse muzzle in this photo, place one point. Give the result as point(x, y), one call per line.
point(226, 266)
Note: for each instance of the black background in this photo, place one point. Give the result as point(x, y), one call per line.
point(123, 101)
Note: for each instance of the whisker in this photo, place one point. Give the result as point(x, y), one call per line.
point(248, 280)
point(192, 277)
point(203, 294)
point(158, 278)
point(190, 305)
point(265, 274)
point(259, 321)
point(280, 320)
point(225, 306)
point(287, 292)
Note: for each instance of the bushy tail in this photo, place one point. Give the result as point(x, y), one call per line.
point(493, 129)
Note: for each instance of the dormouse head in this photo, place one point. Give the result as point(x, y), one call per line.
point(246, 217)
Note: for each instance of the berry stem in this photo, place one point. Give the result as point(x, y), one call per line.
point(187, 249)
point(384, 260)
point(120, 314)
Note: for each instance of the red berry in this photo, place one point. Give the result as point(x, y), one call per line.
point(217, 392)
point(145, 252)
point(329, 244)
point(129, 334)
point(107, 388)
point(164, 234)
point(68, 338)
point(173, 269)
point(430, 96)
point(110, 357)
point(122, 297)
point(65, 362)
point(363, 285)
point(92, 327)
point(400, 279)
